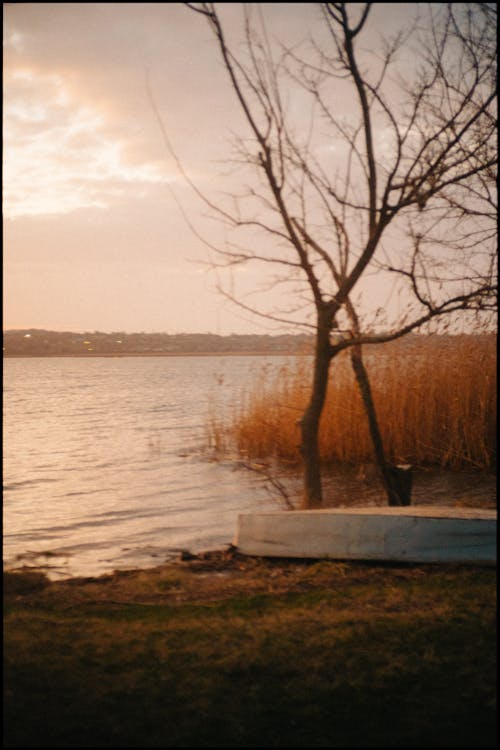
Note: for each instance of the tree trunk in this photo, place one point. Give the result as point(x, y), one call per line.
point(396, 487)
point(313, 495)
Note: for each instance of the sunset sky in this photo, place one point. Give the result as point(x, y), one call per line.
point(93, 237)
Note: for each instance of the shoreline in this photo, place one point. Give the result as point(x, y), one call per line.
point(226, 561)
point(221, 567)
point(92, 355)
point(462, 489)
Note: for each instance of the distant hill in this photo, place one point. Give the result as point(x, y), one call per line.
point(41, 343)
point(37, 342)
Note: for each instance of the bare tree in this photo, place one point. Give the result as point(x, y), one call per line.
point(395, 174)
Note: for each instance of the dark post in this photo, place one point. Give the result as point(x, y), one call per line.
point(401, 481)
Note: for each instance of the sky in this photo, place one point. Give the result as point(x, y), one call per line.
point(94, 236)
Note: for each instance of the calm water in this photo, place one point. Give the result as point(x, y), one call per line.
point(105, 461)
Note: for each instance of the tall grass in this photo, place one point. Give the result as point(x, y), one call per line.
point(435, 399)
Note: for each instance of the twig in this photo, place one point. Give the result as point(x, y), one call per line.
point(262, 469)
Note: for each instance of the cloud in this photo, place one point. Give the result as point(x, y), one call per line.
point(79, 129)
point(58, 154)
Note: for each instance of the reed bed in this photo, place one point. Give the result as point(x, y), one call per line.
point(435, 399)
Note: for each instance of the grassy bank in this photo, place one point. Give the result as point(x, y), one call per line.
point(228, 651)
point(435, 400)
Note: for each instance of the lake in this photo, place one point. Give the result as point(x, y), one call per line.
point(106, 464)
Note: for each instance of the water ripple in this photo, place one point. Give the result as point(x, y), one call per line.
point(102, 454)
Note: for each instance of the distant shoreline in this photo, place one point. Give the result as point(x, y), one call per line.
point(160, 354)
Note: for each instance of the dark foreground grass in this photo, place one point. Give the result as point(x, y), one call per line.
point(225, 651)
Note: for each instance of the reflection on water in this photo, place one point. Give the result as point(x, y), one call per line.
point(104, 460)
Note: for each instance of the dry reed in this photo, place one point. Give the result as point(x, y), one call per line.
point(435, 399)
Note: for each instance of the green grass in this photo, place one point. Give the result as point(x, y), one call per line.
point(265, 654)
